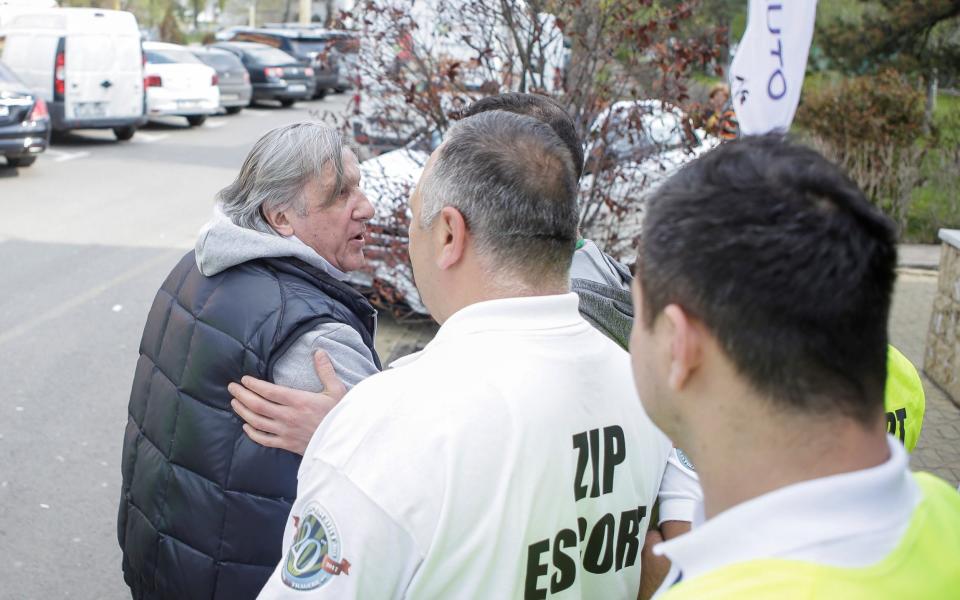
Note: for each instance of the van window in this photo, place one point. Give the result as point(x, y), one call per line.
point(258, 38)
point(308, 47)
point(166, 57)
point(271, 56)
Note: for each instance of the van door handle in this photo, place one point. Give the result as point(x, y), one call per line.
point(105, 84)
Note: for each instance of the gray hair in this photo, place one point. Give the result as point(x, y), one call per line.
point(513, 180)
point(278, 167)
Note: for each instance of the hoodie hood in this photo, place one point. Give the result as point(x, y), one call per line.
point(223, 244)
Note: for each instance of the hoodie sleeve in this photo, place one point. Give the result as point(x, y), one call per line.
point(350, 357)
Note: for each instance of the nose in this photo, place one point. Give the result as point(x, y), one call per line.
point(364, 210)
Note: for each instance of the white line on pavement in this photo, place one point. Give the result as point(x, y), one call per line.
point(214, 124)
point(62, 156)
point(149, 138)
point(254, 112)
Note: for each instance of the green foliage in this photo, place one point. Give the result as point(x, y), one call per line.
point(873, 127)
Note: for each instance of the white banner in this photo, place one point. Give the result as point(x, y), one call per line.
point(767, 72)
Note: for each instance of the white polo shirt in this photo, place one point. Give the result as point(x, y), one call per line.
point(848, 520)
point(510, 458)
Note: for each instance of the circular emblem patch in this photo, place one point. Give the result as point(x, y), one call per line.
point(314, 556)
point(684, 460)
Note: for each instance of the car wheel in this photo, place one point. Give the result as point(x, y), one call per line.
point(124, 133)
point(320, 94)
point(21, 161)
point(340, 90)
point(286, 103)
point(196, 120)
point(232, 110)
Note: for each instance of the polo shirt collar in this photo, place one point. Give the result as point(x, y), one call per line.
point(528, 313)
point(803, 515)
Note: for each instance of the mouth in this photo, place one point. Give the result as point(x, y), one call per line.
point(358, 237)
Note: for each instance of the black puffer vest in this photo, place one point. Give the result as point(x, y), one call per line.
point(203, 507)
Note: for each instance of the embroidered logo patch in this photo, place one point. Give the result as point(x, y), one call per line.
point(314, 556)
point(684, 460)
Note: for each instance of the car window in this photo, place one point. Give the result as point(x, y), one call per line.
point(224, 62)
point(308, 47)
point(640, 132)
point(6, 75)
point(271, 56)
point(259, 38)
point(166, 57)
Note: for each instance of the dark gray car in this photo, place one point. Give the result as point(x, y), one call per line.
point(232, 77)
point(24, 121)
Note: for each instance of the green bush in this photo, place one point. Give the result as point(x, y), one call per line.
point(873, 127)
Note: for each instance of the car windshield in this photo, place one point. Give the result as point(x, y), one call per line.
point(6, 75)
point(309, 46)
point(165, 57)
point(222, 61)
point(426, 142)
point(271, 56)
point(640, 131)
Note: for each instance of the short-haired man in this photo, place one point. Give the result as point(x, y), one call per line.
point(507, 458)
point(760, 346)
point(204, 507)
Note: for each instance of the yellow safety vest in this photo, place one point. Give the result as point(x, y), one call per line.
point(904, 401)
point(925, 564)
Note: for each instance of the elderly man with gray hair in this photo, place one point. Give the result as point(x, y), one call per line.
point(510, 458)
point(204, 504)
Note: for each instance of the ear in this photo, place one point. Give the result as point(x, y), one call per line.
point(686, 346)
point(450, 235)
point(278, 220)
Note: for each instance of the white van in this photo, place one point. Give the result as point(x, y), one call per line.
point(85, 62)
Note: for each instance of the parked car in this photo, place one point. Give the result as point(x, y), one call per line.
point(274, 74)
point(343, 48)
point(24, 121)
point(308, 45)
point(234, 80)
point(632, 147)
point(85, 63)
point(178, 83)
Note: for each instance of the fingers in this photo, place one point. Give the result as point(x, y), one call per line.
point(251, 401)
point(332, 385)
point(269, 391)
point(262, 438)
point(262, 423)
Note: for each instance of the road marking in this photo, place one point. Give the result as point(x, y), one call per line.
point(90, 294)
point(254, 112)
point(62, 156)
point(149, 138)
point(214, 124)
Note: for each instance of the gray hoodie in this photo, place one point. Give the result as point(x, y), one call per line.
point(222, 245)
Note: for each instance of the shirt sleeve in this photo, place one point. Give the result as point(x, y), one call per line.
point(351, 359)
point(680, 491)
point(340, 544)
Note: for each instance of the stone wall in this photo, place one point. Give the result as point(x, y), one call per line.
point(942, 358)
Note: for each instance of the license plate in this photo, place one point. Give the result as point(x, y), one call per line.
point(229, 96)
point(297, 88)
point(187, 103)
point(4, 111)
point(89, 110)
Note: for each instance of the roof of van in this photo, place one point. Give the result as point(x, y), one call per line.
point(67, 18)
point(293, 32)
point(163, 46)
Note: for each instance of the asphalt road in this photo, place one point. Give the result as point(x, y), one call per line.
point(87, 235)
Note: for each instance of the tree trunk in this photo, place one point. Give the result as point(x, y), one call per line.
point(932, 81)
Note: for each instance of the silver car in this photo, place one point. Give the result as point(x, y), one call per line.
point(233, 78)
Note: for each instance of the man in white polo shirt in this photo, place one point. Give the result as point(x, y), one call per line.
point(760, 346)
point(509, 458)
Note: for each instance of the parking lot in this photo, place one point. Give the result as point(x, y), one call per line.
point(87, 235)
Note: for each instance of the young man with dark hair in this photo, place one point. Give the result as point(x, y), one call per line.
point(759, 346)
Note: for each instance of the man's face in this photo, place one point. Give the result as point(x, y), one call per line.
point(335, 230)
point(649, 364)
point(420, 247)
